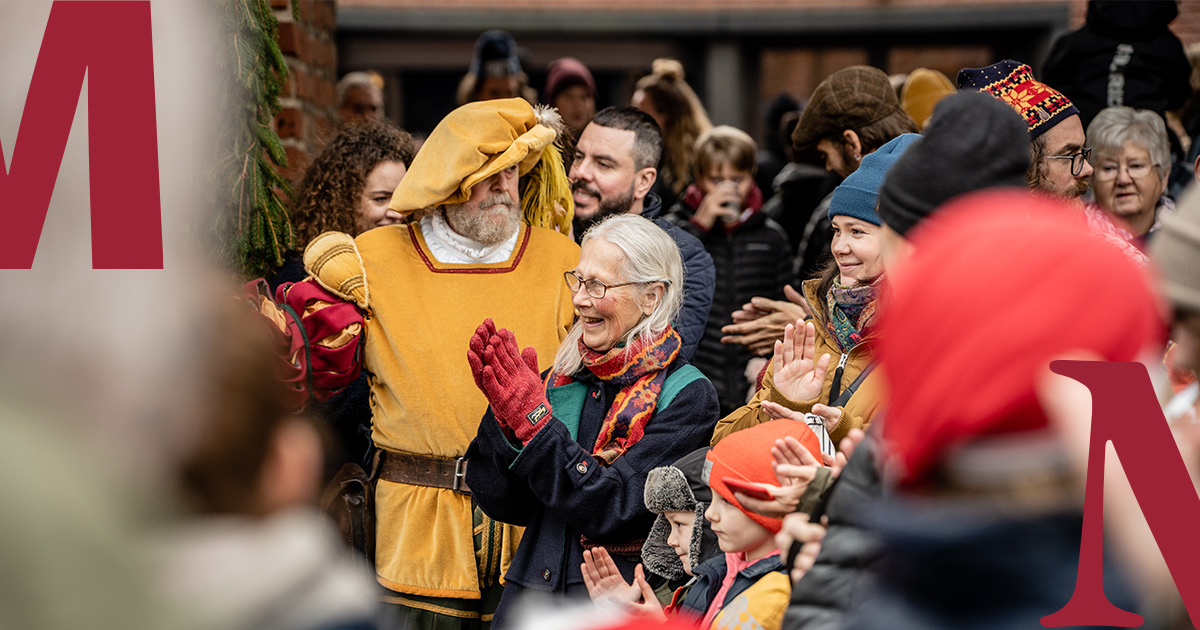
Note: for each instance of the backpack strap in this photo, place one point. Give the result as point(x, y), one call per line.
point(675, 383)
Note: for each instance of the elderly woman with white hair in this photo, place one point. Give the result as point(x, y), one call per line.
point(566, 454)
point(1132, 158)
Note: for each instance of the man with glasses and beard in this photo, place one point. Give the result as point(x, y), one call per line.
point(615, 166)
point(1059, 164)
point(421, 288)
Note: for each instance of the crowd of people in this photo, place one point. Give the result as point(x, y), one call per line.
point(561, 367)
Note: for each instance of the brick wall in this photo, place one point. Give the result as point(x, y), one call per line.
point(306, 120)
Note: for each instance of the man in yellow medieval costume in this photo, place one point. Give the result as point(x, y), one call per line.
point(422, 288)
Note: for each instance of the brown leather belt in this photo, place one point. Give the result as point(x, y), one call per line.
point(418, 470)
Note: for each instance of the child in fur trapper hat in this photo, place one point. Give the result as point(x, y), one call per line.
point(679, 540)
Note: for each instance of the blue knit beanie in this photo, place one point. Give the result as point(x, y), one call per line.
point(857, 195)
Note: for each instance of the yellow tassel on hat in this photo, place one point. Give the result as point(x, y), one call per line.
point(547, 200)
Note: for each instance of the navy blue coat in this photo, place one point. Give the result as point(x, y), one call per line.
point(699, 278)
point(559, 491)
point(711, 574)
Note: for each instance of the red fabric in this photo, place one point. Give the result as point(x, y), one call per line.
point(332, 368)
point(509, 379)
point(1001, 284)
point(746, 455)
point(288, 343)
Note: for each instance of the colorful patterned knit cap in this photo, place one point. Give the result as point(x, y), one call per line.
point(1042, 106)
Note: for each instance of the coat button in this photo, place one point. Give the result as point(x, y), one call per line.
point(546, 574)
point(581, 467)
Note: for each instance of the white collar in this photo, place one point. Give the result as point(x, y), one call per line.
point(448, 246)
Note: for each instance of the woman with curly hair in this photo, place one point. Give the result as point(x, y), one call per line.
point(348, 186)
point(675, 107)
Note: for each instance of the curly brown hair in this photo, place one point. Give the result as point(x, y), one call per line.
point(327, 197)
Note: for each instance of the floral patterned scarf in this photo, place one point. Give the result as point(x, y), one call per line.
point(639, 370)
point(851, 312)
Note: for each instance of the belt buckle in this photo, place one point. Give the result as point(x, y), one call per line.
point(460, 473)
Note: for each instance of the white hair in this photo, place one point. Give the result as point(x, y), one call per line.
point(651, 256)
point(1114, 126)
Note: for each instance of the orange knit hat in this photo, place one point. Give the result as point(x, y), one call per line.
point(746, 455)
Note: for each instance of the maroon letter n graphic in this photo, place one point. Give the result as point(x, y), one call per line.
point(110, 41)
point(1124, 410)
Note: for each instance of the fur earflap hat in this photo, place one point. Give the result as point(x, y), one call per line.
point(678, 488)
point(480, 139)
point(746, 455)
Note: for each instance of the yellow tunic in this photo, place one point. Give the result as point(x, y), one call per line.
point(423, 398)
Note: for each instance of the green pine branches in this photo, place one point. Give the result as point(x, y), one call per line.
point(253, 229)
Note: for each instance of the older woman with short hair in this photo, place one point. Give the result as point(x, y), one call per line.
point(566, 455)
point(1132, 158)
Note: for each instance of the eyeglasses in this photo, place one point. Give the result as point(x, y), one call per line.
point(1077, 159)
point(1137, 170)
point(595, 288)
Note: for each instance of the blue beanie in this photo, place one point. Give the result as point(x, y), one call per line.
point(857, 195)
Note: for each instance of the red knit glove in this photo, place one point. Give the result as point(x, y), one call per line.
point(475, 349)
point(513, 387)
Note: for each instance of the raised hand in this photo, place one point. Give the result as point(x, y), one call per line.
point(475, 350)
point(797, 530)
point(512, 387)
point(649, 606)
point(799, 375)
point(603, 580)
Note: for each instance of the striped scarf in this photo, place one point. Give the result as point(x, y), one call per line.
point(639, 370)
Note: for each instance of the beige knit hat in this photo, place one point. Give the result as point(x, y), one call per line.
point(1176, 250)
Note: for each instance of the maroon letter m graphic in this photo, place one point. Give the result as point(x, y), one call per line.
point(110, 41)
point(1124, 411)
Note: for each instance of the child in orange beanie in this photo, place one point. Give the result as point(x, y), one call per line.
point(749, 581)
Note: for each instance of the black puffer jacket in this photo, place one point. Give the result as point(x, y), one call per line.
point(755, 260)
point(850, 552)
point(1125, 54)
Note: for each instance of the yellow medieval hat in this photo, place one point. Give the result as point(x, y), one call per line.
point(480, 139)
point(923, 90)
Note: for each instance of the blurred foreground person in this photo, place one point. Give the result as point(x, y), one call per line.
point(1177, 254)
point(565, 453)
point(984, 528)
point(252, 552)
